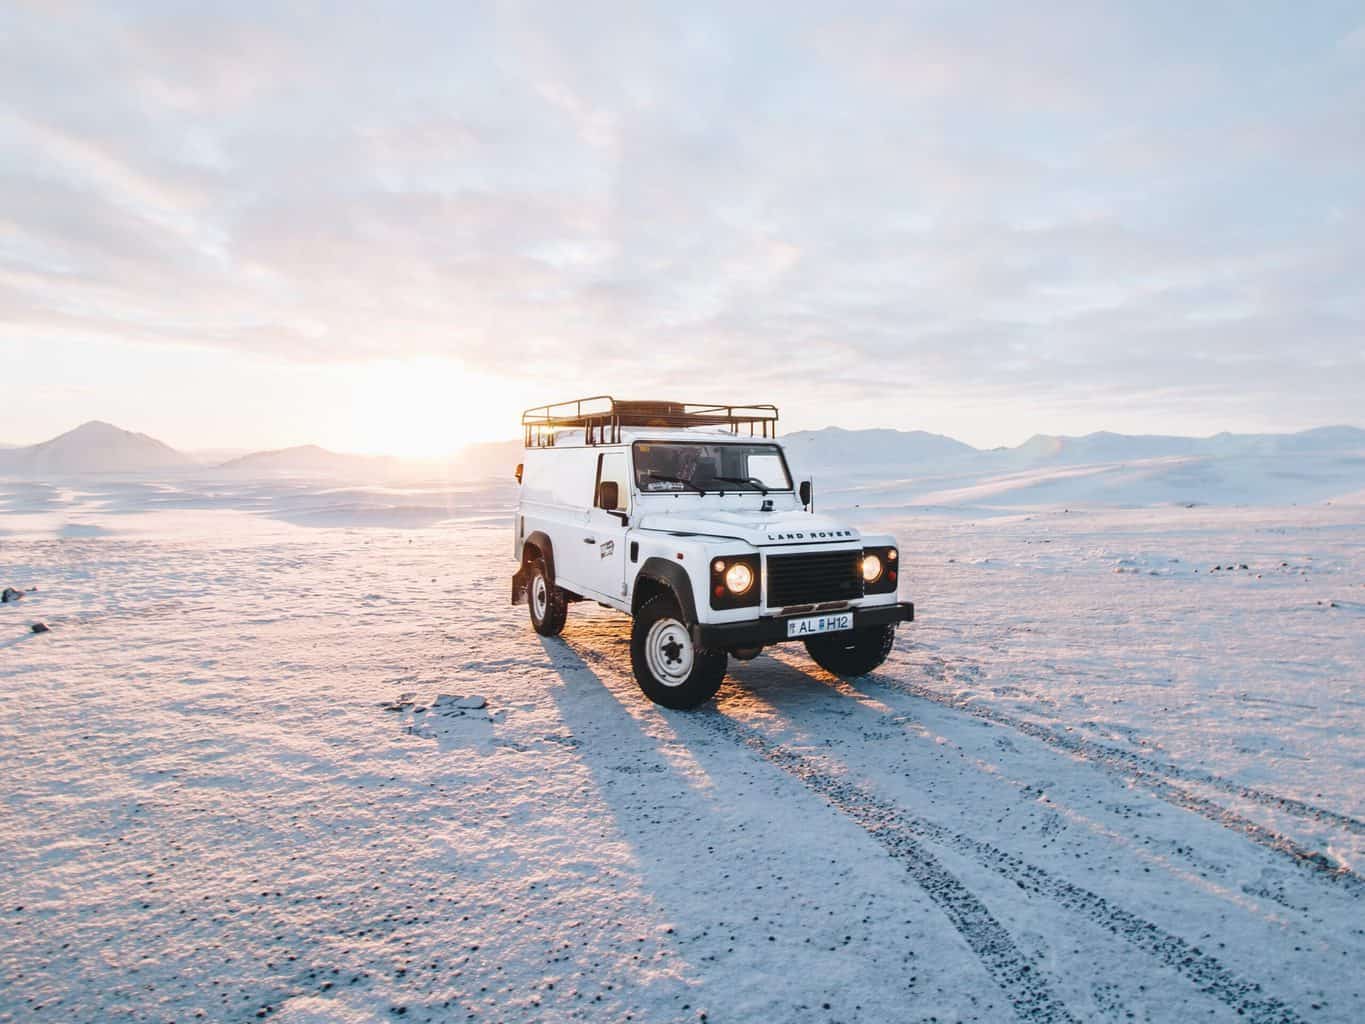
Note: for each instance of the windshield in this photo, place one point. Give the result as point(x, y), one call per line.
point(663, 467)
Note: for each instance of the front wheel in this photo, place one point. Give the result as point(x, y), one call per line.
point(670, 669)
point(852, 653)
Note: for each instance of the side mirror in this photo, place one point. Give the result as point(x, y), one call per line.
point(806, 494)
point(608, 495)
point(519, 468)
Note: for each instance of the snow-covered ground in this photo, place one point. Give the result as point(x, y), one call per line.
point(1116, 771)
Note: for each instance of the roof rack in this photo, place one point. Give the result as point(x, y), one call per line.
point(602, 417)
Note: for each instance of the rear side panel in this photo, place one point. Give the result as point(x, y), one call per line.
point(555, 498)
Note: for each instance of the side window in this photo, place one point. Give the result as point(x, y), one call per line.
point(611, 466)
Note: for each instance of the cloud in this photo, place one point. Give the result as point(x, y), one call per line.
point(1068, 207)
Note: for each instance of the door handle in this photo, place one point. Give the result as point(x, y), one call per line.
point(589, 540)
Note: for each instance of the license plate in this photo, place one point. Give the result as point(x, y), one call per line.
point(820, 624)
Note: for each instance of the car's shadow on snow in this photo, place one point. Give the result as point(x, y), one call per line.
point(647, 773)
point(669, 776)
point(615, 744)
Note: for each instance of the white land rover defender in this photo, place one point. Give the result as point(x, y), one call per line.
point(686, 518)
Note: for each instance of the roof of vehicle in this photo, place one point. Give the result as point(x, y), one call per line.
point(603, 417)
point(629, 435)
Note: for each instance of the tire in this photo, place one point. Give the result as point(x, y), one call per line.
point(854, 653)
point(548, 604)
point(670, 670)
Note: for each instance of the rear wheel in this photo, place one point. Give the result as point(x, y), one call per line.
point(852, 652)
point(669, 667)
point(549, 605)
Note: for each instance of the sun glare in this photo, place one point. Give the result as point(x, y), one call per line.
point(427, 408)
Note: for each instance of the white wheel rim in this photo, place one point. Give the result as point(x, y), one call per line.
point(669, 652)
point(540, 595)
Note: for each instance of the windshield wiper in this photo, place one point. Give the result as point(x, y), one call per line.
point(673, 480)
point(752, 481)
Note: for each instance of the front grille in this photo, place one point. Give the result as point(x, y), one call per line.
point(811, 578)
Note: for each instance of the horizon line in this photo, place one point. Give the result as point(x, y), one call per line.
point(244, 452)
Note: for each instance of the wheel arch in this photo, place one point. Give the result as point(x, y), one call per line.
point(537, 545)
point(660, 576)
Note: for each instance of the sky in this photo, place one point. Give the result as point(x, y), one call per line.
point(390, 227)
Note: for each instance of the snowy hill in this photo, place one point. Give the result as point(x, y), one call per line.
point(1105, 447)
point(836, 447)
point(94, 447)
point(1098, 447)
point(887, 469)
point(311, 460)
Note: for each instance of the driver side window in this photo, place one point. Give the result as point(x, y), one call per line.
point(768, 468)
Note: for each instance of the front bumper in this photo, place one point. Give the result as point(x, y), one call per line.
point(772, 630)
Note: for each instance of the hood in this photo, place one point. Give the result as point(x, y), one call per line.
point(760, 529)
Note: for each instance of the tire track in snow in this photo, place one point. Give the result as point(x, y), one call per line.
point(1100, 751)
point(1157, 777)
point(1018, 977)
point(900, 833)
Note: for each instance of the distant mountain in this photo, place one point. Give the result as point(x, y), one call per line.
point(1319, 440)
point(1105, 447)
point(1098, 447)
point(1104, 468)
point(94, 447)
point(834, 447)
point(310, 460)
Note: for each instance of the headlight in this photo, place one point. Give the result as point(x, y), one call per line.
point(872, 568)
point(739, 578)
point(734, 581)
